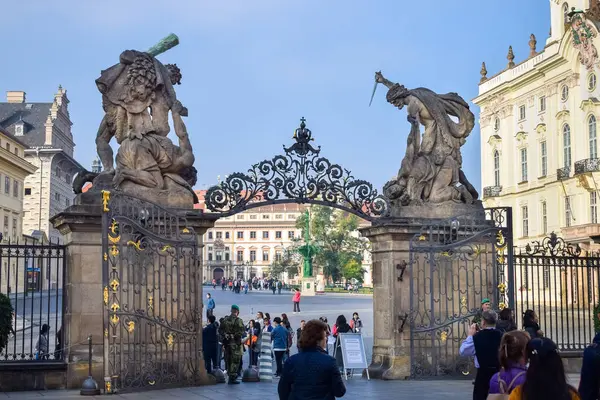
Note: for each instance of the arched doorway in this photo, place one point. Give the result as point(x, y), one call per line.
point(218, 274)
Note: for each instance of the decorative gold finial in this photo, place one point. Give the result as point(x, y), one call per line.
point(510, 57)
point(483, 73)
point(105, 200)
point(532, 44)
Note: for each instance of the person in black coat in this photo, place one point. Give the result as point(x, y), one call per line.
point(589, 385)
point(484, 345)
point(210, 343)
point(311, 374)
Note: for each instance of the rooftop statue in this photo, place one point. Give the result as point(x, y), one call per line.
point(431, 170)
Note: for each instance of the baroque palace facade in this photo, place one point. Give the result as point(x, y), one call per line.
point(539, 131)
point(245, 245)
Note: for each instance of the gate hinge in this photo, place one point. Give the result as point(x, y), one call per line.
point(403, 319)
point(401, 268)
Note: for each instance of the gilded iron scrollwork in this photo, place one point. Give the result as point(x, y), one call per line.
point(301, 175)
point(151, 298)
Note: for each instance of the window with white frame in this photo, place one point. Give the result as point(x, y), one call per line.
point(543, 158)
point(591, 81)
point(252, 255)
point(252, 234)
point(546, 276)
point(525, 221)
point(265, 255)
point(523, 165)
point(291, 234)
point(240, 234)
point(592, 136)
point(496, 168)
point(544, 218)
point(522, 112)
point(568, 215)
point(567, 146)
point(593, 207)
point(240, 255)
point(542, 103)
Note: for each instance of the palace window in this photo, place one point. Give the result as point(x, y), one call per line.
point(278, 256)
point(544, 158)
point(240, 255)
point(240, 216)
point(27, 191)
point(522, 112)
point(591, 81)
point(523, 165)
point(525, 220)
point(278, 216)
point(219, 255)
point(67, 202)
point(16, 188)
point(593, 207)
point(226, 235)
point(266, 216)
point(219, 235)
point(253, 216)
point(546, 276)
point(6, 185)
point(565, 10)
point(277, 234)
point(564, 93)
point(265, 255)
point(210, 257)
point(291, 216)
point(291, 234)
point(252, 255)
point(5, 227)
point(14, 229)
point(57, 196)
point(567, 145)
point(567, 211)
point(210, 235)
point(265, 234)
point(544, 218)
point(592, 136)
point(496, 168)
point(240, 234)
point(227, 255)
point(542, 103)
point(252, 234)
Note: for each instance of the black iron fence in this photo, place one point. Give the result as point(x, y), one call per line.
point(32, 275)
point(561, 284)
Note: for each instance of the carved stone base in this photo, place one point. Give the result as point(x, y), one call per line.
point(444, 210)
point(308, 287)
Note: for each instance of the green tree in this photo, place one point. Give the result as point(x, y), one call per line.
point(353, 270)
point(334, 231)
point(289, 263)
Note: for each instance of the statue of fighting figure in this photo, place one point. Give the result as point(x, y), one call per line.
point(431, 171)
point(137, 95)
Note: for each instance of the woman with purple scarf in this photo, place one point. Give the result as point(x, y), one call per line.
point(513, 362)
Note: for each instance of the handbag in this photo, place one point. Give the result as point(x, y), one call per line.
point(505, 393)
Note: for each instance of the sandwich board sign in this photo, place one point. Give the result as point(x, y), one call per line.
point(352, 347)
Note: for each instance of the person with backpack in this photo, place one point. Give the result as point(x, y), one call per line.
point(513, 364)
point(589, 384)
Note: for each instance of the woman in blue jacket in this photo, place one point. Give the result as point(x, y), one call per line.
point(279, 337)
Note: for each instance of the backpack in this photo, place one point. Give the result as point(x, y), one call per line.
point(505, 392)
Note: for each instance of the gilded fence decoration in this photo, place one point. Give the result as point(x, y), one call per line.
point(152, 305)
point(454, 265)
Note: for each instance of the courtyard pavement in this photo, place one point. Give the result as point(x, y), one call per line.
point(330, 306)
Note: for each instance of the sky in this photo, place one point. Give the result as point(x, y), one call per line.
point(252, 69)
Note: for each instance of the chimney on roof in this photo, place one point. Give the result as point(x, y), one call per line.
point(15, 96)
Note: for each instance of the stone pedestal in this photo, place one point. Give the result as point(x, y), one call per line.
point(308, 287)
point(391, 298)
point(81, 227)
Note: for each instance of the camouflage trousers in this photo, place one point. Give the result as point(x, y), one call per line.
point(233, 358)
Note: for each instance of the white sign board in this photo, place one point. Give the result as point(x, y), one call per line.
point(353, 350)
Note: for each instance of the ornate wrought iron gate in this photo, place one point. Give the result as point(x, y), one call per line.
point(151, 296)
point(455, 264)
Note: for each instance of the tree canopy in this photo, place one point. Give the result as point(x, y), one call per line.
point(290, 262)
point(334, 231)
